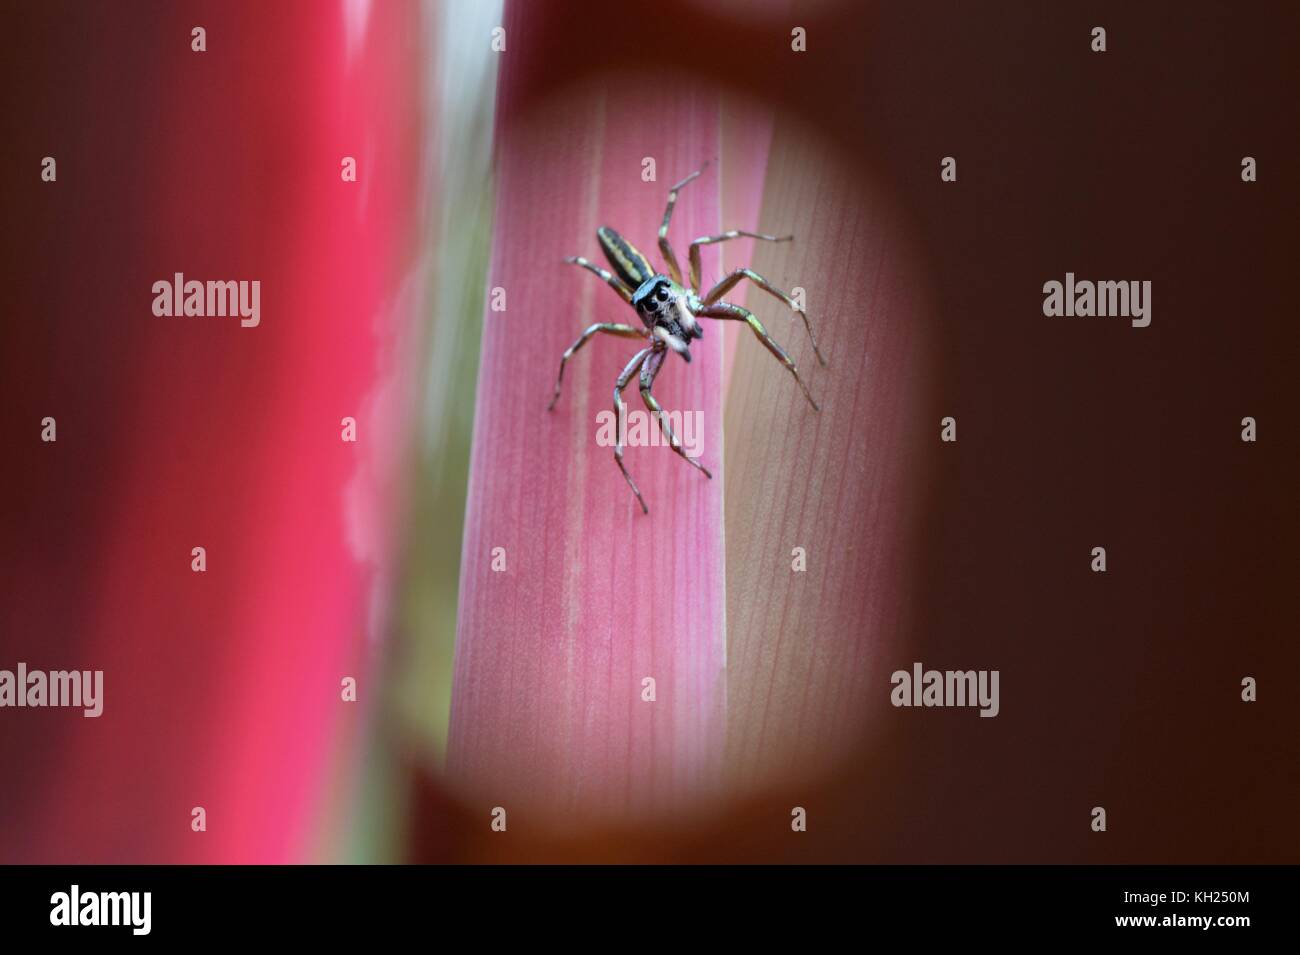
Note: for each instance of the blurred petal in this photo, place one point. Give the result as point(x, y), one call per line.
point(810, 652)
point(746, 138)
point(222, 688)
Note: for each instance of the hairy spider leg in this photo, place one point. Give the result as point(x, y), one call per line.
point(728, 283)
point(649, 371)
point(725, 310)
point(610, 328)
point(674, 270)
point(619, 385)
point(693, 253)
point(615, 283)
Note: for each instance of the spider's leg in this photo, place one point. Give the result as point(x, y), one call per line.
point(619, 385)
point(728, 311)
point(694, 252)
point(728, 283)
point(615, 283)
point(649, 371)
point(612, 328)
point(674, 270)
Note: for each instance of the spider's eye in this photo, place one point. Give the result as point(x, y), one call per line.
point(649, 305)
point(662, 294)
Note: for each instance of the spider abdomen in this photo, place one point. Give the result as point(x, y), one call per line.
point(629, 264)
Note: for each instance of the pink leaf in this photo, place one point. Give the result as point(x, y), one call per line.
point(552, 653)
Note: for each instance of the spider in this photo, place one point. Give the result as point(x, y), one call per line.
point(669, 312)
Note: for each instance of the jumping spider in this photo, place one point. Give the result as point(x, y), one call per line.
point(669, 312)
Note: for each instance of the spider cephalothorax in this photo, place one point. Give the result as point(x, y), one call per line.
point(666, 309)
point(670, 312)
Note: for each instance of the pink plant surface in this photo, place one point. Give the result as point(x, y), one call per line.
point(552, 652)
point(548, 714)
